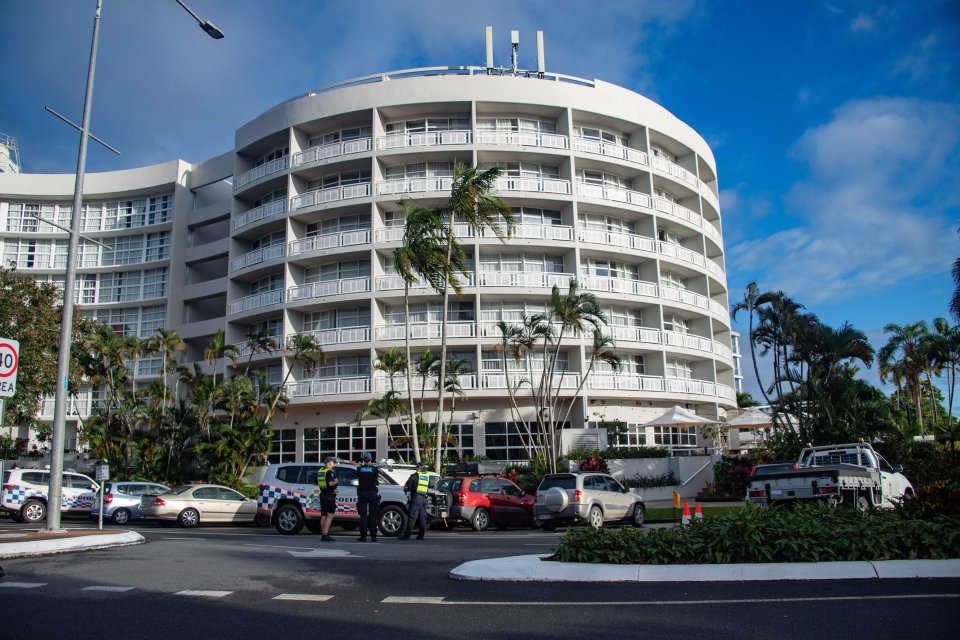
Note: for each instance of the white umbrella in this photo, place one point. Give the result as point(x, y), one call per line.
point(752, 417)
point(677, 416)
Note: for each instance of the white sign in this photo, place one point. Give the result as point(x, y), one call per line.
point(9, 362)
point(103, 472)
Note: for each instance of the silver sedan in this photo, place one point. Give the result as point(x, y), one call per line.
point(189, 505)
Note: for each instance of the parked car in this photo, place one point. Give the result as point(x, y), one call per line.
point(24, 494)
point(399, 473)
point(595, 498)
point(191, 504)
point(772, 467)
point(484, 500)
point(121, 500)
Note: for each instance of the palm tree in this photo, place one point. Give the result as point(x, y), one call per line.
point(427, 365)
point(472, 200)
point(510, 345)
point(752, 299)
point(955, 298)
point(261, 341)
point(392, 363)
point(904, 349)
point(946, 351)
point(306, 351)
point(602, 351)
point(218, 348)
point(168, 343)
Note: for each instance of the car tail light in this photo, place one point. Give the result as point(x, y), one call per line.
point(829, 490)
point(261, 487)
point(757, 493)
point(458, 498)
point(159, 502)
point(577, 495)
point(107, 499)
point(8, 487)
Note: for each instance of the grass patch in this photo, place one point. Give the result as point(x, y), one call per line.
point(807, 533)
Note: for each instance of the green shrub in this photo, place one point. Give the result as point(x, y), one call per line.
point(648, 482)
point(594, 463)
point(937, 499)
point(807, 533)
point(249, 490)
point(620, 453)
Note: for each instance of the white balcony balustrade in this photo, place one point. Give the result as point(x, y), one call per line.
point(614, 239)
point(245, 348)
point(256, 301)
point(381, 383)
point(536, 232)
point(619, 285)
point(415, 185)
point(615, 194)
point(332, 150)
point(611, 150)
point(674, 170)
point(329, 241)
point(522, 139)
point(533, 184)
point(269, 210)
point(328, 288)
point(395, 282)
point(340, 335)
point(621, 333)
point(427, 330)
point(328, 387)
point(265, 169)
point(528, 279)
point(395, 234)
point(256, 256)
point(424, 139)
point(605, 381)
point(330, 194)
point(562, 380)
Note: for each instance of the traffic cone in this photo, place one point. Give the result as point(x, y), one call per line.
point(686, 513)
point(699, 512)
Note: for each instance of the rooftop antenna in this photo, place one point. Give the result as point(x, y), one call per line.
point(514, 56)
point(489, 51)
point(515, 50)
point(541, 65)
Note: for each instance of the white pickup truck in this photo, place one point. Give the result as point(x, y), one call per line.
point(850, 474)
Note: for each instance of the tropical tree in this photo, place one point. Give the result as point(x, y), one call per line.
point(946, 353)
point(751, 302)
point(260, 341)
point(168, 343)
point(217, 349)
point(305, 351)
point(904, 353)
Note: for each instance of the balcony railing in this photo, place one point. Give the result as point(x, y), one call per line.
point(245, 348)
point(332, 150)
point(328, 288)
point(263, 170)
point(330, 194)
point(381, 383)
point(268, 210)
point(611, 150)
point(424, 139)
point(624, 382)
point(536, 232)
point(329, 241)
point(341, 335)
point(534, 280)
point(709, 195)
point(533, 184)
point(395, 234)
point(685, 296)
point(616, 194)
point(674, 170)
point(256, 257)
point(427, 330)
point(498, 380)
point(687, 340)
point(328, 387)
point(614, 239)
point(414, 185)
point(622, 333)
point(395, 282)
point(522, 139)
point(256, 301)
point(619, 285)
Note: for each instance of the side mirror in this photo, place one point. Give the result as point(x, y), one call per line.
point(354, 483)
point(898, 468)
point(94, 487)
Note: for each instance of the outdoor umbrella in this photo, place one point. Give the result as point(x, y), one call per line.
point(752, 417)
point(677, 416)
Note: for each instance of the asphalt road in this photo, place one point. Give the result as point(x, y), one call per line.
point(229, 582)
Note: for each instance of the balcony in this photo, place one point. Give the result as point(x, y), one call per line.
point(674, 170)
point(328, 288)
point(427, 330)
point(523, 139)
point(608, 284)
point(611, 150)
point(414, 185)
point(604, 381)
point(622, 333)
point(268, 210)
point(492, 329)
point(266, 169)
point(424, 139)
point(395, 234)
point(257, 256)
point(615, 239)
point(615, 194)
point(329, 241)
point(395, 282)
point(531, 280)
point(709, 195)
point(672, 209)
point(256, 301)
point(675, 294)
point(333, 150)
point(381, 383)
point(330, 194)
point(341, 335)
point(245, 348)
point(533, 184)
point(569, 380)
point(536, 232)
point(328, 387)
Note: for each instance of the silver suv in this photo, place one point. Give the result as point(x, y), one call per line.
point(594, 498)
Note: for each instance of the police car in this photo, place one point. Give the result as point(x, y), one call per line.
point(24, 494)
point(290, 499)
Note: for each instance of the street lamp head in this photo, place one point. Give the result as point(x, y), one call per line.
point(211, 30)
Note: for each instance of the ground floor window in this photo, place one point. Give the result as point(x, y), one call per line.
point(620, 434)
point(675, 436)
point(283, 446)
point(508, 441)
point(400, 443)
point(345, 441)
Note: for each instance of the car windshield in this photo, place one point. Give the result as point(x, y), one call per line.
point(564, 482)
point(767, 469)
point(450, 484)
point(179, 490)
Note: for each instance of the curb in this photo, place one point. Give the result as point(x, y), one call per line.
point(532, 569)
point(35, 548)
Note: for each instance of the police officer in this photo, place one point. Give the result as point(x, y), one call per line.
point(368, 498)
point(418, 484)
point(327, 481)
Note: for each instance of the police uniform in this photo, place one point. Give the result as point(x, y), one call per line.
point(418, 484)
point(368, 500)
point(327, 482)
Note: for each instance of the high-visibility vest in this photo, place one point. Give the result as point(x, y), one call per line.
point(322, 479)
point(423, 483)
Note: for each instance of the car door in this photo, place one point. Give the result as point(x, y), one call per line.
point(346, 492)
point(234, 506)
point(619, 496)
point(492, 496)
point(207, 501)
point(513, 501)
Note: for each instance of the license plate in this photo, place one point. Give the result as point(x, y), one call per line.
point(443, 514)
point(776, 492)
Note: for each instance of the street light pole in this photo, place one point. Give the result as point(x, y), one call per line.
point(66, 322)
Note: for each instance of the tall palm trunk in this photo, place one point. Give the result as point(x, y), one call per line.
point(443, 342)
point(413, 413)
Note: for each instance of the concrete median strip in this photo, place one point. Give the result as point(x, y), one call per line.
point(532, 568)
point(38, 546)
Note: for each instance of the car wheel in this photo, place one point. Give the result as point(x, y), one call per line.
point(33, 511)
point(313, 527)
point(391, 520)
point(188, 518)
point(289, 520)
point(596, 517)
point(638, 515)
point(480, 519)
point(121, 516)
point(549, 525)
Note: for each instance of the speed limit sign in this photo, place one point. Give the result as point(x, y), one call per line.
point(9, 361)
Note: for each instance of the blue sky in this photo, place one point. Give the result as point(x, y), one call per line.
point(836, 125)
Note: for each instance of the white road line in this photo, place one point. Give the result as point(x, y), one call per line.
point(413, 600)
point(106, 588)
point(278, 546)
point(22, 585)
point(303, 597)
point(620, 603)
point(203, 594)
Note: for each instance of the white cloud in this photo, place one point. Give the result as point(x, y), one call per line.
point(863, 22)
point(875, 208)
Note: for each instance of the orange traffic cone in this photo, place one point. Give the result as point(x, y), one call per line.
point(686, 513)
point(699, 512)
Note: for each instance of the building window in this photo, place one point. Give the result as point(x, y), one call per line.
point(666, 195)
point(337, 271)
point(671, 279)
point(267, 283)
point(343, 441)
point(338, 225)
point(603, 179)
point(419, 170)
point(507, 441)
point(675, 323)
point(154, 283)
point(343, 135)
point(602, 135)
point(659, 152)
point(279, 194)
point(679, 369)
point(423, 125)
point(530, 124)
point(675, 436)
point(283, 446)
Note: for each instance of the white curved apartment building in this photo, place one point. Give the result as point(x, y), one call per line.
point(608, 188)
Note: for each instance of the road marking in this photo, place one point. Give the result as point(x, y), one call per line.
point(107, 588)
point(203, 594)
point(183, 539)
point(304, 597)
point(322, 553)
point(413, 600)
point(620, 603)
point(22, 585)
point(277, 546)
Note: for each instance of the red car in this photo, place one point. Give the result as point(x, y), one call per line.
point(486, 500)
